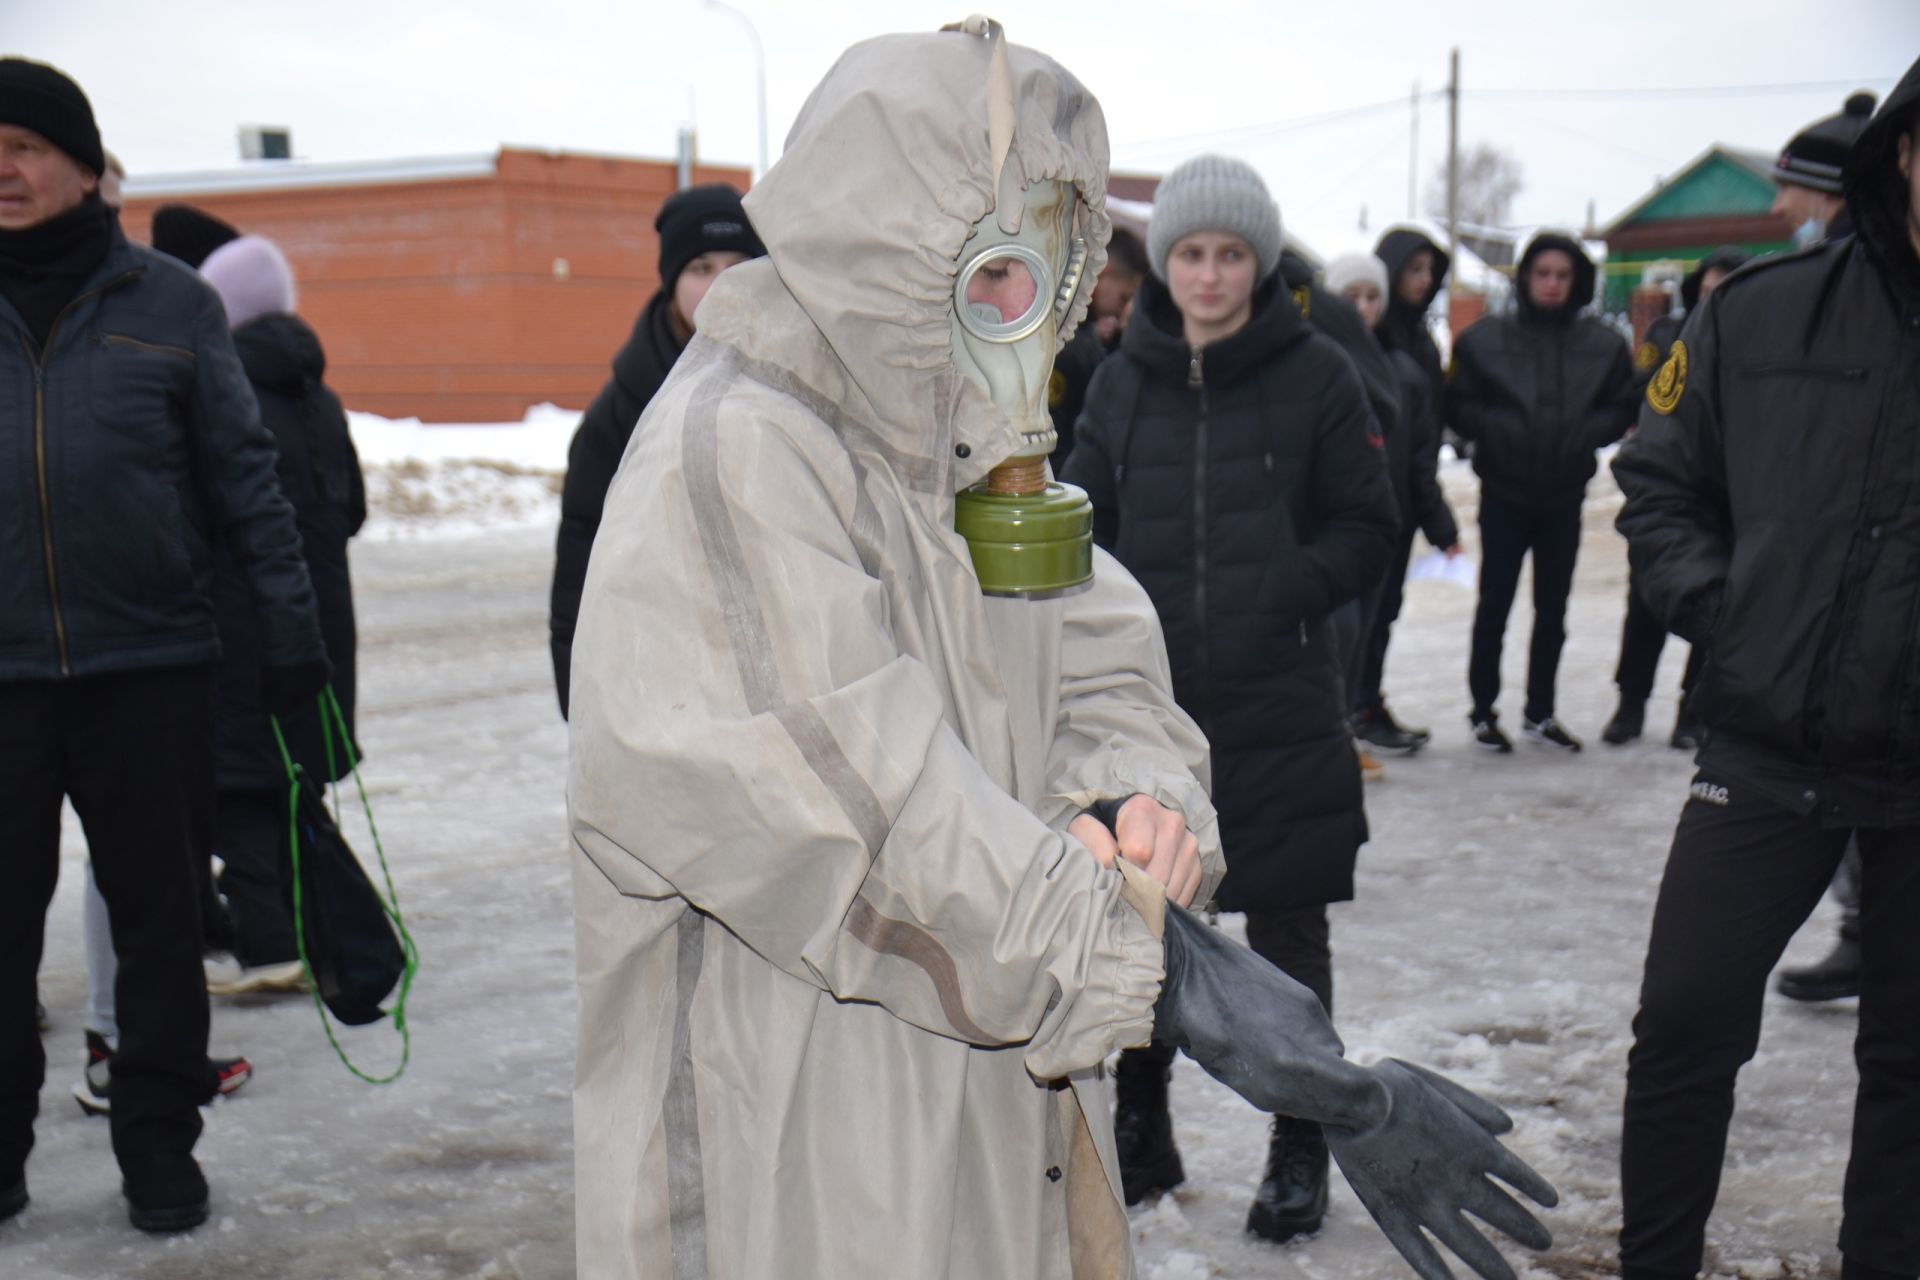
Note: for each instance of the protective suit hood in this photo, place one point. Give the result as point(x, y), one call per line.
point(888, 167)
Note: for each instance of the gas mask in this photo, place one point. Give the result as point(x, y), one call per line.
point(1011, 295)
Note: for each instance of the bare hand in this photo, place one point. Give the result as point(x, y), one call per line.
point(1151, 837)
point(1454, 551)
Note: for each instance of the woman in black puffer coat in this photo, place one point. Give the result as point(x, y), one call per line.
point(319, 473)
point(1236, 470)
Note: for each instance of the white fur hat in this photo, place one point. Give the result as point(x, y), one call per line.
point(1351, 268)
point(252, 277)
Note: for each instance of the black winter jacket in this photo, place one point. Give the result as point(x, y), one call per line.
point(1538, 393)
point(1771, 509)
point(592, 458)
point(130, 447)
point(319, 472)
point(1067, 389)
point(1404, 328)
point(1244, 486)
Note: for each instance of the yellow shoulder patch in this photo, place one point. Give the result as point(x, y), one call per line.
point(1056, 389)
point(1303, 299)
point(1645, 356)
point(1668, 385)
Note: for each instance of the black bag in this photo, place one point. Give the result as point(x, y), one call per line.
point(349, 941)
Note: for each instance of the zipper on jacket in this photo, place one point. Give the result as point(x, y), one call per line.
point(39, 362)
point(1196, 380)
point(121, 339)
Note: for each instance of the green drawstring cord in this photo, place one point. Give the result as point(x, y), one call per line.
point(330, 716)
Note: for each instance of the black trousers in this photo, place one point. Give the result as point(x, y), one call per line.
point(1742, 876)
point(256, 875)
point(1507, 533)
point(1365, 693)
point(1642, 637)
point(134, 753)
point(1298, 942)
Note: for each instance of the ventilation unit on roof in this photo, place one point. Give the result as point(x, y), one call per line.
point(265, 142)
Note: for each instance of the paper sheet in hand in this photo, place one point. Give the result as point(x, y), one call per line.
point(1436, 566)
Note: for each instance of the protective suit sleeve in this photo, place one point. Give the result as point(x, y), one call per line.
point(1419, 1150)
point(1677, 519)
point(1355, 517)
point(1120, 732)
point(748, 735)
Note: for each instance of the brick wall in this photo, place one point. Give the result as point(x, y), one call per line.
point(466, 299)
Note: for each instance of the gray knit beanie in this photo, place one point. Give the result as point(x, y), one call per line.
point(1214, 193)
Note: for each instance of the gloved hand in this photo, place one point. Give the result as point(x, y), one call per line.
point(1416, 1148)
point(284, 690)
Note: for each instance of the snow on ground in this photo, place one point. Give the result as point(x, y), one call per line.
point(1498, 933)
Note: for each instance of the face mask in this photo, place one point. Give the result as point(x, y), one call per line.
point(1809, 233)
point(1010, 297)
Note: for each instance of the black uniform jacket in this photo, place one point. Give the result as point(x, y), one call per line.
point(1773, 509)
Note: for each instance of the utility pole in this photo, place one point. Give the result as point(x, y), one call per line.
point(1453, 155)
point(1413, 156)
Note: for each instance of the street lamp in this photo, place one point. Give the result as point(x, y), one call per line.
point(760, 76)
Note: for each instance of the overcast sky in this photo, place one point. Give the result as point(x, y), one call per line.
point(373, 79)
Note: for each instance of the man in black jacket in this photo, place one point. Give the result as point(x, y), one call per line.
point(1236, 470)
point(1096, 338)
point(129, 446)
point(703, 231)
point(1770, 509)
point(1537, 392)
point(1643, 635)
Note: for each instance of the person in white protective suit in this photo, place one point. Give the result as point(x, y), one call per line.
point(854, 938)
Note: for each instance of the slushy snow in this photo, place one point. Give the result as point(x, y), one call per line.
point(1498, 935)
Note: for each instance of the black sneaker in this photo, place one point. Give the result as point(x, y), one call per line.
point(1627, 724)
point(1549, 733)
point(1487, 735)
point(1376, 727)
point(1688, 736)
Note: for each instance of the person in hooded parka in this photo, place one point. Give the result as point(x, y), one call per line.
point(847, 983)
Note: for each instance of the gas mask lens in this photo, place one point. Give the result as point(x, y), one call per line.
point(1000, 295)
point(1006, 293)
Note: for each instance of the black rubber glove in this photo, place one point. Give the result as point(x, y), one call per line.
point(1417, 1148)
point(284, 690)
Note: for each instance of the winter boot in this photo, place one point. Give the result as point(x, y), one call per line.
point(1293, 1196)
point(1142, 1127)
point(1628, 722)
point(167, 1196)
point(1834, 978)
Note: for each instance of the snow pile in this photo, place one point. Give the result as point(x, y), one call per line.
point(445, 480)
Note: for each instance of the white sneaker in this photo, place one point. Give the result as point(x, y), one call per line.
point(226, 976)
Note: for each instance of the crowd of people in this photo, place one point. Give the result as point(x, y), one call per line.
point(890, 873)
point(173, 557)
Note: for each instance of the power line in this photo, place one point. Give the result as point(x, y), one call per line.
point(1249, 132)
point(1686, 91)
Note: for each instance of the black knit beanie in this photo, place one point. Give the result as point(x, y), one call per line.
point(35, 96)
point(1818, 153)
point(189, 234)
point(701, 220)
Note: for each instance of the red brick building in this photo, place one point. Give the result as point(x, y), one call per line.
point(461, 289)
